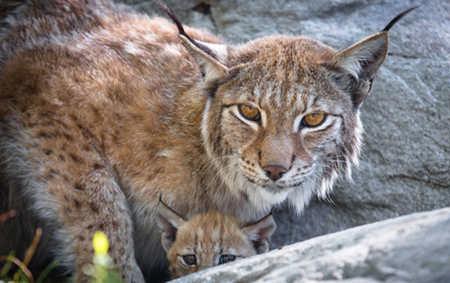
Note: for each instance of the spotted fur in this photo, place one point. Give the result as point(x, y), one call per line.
point(209, 239)
point(102, 109)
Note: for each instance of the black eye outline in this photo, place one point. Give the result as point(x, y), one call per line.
point(257, 118)
point(226, 258)
point(190, 260)
point(304, 125)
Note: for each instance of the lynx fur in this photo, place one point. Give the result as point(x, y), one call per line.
point(102, 109)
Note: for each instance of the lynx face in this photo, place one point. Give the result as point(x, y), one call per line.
point(282, 119)
point(282, 125)
point(209, 239)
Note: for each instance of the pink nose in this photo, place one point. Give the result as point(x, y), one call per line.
point(275, 172)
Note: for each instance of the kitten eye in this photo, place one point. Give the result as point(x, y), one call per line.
point(189, 259)
point(226, 258)
point(249, 112)
point(313, 119)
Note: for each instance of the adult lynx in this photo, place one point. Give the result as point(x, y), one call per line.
point(102, 109)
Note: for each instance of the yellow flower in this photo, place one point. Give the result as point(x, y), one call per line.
point(100, 243)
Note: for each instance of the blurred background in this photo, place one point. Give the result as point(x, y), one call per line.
point(405, 164)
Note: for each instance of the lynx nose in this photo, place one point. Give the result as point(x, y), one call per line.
point(274, 172)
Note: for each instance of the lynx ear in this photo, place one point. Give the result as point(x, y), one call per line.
point(260, 232)
point(169, 222)
point(363, 59)
point(354, 68)
point(209, 56)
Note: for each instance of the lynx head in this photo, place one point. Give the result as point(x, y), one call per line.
point(209, 239)
point(282, 116)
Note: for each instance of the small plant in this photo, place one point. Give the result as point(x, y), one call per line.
point(102, 270)
point(19, 268)
point(15, 270)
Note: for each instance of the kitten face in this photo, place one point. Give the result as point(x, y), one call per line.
point(206, 241)
point(210, 239)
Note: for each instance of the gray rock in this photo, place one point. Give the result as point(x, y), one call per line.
point(405, 165)
point(413, 248)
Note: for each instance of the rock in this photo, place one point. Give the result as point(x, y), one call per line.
point(413, 248)
point(405, 165)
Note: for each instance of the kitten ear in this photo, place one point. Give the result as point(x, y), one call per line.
point(169, 222)
point(260, 232)
point(354, 68)
point(209, 56)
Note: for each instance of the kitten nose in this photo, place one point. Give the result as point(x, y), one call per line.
point(274, 172)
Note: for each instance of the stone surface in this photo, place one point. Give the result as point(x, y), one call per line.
point(413, 248)
point(405, 165)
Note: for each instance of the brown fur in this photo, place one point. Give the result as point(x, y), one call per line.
point(102, 109)
point(210, 238)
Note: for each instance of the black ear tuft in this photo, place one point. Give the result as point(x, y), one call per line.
point(172, 16)
point(397, 18)
point(211, 57)
point(181, 30)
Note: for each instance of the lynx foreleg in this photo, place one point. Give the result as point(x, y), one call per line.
point(100, 205)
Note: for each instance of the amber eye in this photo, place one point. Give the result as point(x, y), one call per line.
point(189, 260)
point(314, 119)
point(226, 258)
point(249, 112)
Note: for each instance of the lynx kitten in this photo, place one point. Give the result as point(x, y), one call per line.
point(209, 239)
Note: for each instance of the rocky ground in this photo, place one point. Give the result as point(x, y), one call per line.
point(405, 165)
point(412, 248)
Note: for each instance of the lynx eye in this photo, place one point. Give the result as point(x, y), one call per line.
point(249, 112)
point(226, 258)
point(189, 259)
point(314, 119)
